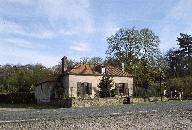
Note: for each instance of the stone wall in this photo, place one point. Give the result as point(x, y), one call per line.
point(112, 101)
point(67, 103)
point(128, 80)
point(43, 91)
point(97, 102)
point(65, 83)
point(73, 79)
point(150, 99)
point(100, 102)
point(69, 82)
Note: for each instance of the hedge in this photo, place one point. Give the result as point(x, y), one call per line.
point(18, 98)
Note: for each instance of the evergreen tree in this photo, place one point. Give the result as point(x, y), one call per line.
point(105, 86)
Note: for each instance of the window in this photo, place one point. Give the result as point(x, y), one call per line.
point(84, 89)
point(122, 89)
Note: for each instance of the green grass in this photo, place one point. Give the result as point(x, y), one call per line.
point(27, 106)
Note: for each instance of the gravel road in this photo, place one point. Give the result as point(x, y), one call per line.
point(168, 115)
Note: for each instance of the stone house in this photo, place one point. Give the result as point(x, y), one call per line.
point(81, 81)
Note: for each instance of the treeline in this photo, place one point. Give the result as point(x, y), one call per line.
point(153, 72)
point(179, 68)
point(21, 78)
point(138, 49)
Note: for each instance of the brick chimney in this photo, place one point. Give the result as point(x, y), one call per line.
point(123, 67)
point(103, 69)
point(64, 64)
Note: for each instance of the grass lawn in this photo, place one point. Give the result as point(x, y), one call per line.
point(27, 106)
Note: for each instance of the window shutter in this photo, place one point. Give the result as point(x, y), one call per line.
point(90, 89)
point(117, 88)
point(85, 83)
point(79, 93)
point(126, 89)
point(86, 88)
point(83, 89)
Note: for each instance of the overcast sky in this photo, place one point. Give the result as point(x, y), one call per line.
point(43, 31)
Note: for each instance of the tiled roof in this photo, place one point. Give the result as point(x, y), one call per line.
point(84, 69)
point(113, 71)
point(87, 69)
point(53, 78)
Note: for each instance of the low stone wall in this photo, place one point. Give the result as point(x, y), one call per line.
point(97, 102)
point(67, 103)
point(150, 99)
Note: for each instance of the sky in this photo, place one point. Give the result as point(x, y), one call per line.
point(43, 31)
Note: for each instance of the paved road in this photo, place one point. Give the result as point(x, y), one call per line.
point(16, 116)
point(169, 115)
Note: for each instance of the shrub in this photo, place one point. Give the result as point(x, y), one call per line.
point(17, 98)
point(181, 84)
point(105, 86)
